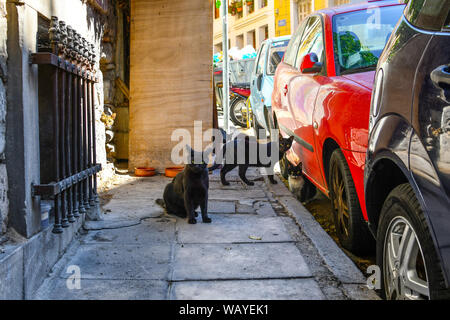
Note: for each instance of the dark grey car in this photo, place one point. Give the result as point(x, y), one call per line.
point(407, 174)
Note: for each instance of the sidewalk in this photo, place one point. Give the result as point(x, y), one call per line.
point(253, 249)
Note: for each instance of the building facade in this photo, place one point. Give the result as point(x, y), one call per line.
point(264, 19)
point(67, 76)
point(48, 49)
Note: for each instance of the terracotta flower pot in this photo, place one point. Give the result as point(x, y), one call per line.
point(173, 171)
point(144, 172)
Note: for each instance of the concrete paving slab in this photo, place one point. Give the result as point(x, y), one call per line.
point(158, 230)
point(278, 189)
point(236, 194)
point(285, 289)
point(234, 229)
point(11, 274)
point(110, 224)
point(340, 264)
point(132, 209)
point(215, 206)
point(218, 185)
point(121, 262)
point(238, 261)
point(264, 209)
point(106, 290)
point(245, 208)
point(135, 193)
point(359, 292)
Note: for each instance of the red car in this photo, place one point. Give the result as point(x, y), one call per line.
point(321, 96)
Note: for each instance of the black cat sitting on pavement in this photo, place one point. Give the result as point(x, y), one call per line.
point(189, 189)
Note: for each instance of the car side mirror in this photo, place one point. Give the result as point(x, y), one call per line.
point(311, 64)
point(259, 82)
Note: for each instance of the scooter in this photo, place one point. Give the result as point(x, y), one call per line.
point(239, 109)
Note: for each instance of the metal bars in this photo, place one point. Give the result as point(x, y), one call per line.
point(75, 169)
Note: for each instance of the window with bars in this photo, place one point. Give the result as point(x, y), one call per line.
point(304, 9)
point(216, 12)
point(341, 2)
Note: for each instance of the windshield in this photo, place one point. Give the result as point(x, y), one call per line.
point(359, 37)
point(276, 53)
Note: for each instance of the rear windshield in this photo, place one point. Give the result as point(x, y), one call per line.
point(360, 36)
point(276, 54)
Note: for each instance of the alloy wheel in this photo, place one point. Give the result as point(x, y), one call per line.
point(405, 276)
point(340, 201)
point(240, 112)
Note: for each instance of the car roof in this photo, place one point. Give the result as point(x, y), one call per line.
point(358, 6)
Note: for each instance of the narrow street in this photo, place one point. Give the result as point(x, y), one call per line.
point(255, 248)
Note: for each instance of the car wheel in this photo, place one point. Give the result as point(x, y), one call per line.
point(351, 228)
point(406, 254)
point(238, 112)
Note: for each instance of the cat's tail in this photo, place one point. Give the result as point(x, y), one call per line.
point(215, 164)
point(161, 203)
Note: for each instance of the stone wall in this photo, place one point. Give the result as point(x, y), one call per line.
point(113, 63)
point(3, 82)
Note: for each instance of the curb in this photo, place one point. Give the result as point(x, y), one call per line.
point(352, 279)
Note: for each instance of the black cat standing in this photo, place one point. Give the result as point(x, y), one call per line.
point(284, 144)
point(189, 189)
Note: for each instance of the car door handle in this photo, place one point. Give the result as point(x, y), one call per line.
point(441, 77)
point(285, 90)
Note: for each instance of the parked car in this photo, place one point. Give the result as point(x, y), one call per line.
point(407, 174)
point(269, 56)
point(322, 93)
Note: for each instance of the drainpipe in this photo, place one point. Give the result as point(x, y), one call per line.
point(226, 83)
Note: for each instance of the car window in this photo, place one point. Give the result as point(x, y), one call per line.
point(311, 41)
point(276, 53)
point(359, 37)
point(261, 59)
point(428, 14)
point(291, 51)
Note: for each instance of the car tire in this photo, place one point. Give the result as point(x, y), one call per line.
point(236, 115)
point(351, 228)
point(401, 208)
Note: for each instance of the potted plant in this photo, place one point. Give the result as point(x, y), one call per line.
point(238, 5)
point(232, 10)
point(249, 2)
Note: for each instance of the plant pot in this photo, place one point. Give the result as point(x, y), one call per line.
point(144, 172)
point(171, 172)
